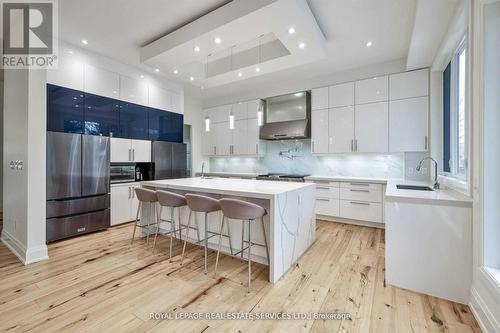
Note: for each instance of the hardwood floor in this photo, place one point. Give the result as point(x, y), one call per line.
point(100, 283)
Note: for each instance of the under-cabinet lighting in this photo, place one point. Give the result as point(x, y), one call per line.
point(207, 124)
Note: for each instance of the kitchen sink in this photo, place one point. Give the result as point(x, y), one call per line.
point(414, 188)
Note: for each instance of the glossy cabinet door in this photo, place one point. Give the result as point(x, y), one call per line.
point(134, 123)
point(102, 115)
point(240, 110)
point(239, 138)
point(341, 95)
point(120, 204)
point(165, 126)
point(69, 73)
point(65, 110)
point(408, 125)
point(254, 145)
point(160, 98)
point(177, 103)
point(141, 150)
point(253, 108)
point(372, 90)
point(319, 130)
point(133, 90)
point(209, 142)
point(223, 138)
point(223, 113)
point(409, 84)
point(101, 82)
point(120, 150)
point(319, 98)
point(371, 132)
point(341, 129)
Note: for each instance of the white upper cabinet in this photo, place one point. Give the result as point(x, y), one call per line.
point(223, 139)
point(408, 124)
point(101, 82)
point(253, 108)
point(209, 141)
point(319, 132)
point(371, 132)
point(341, 129)
point(341, 95)
point(69, 74)
point(372, 90)
point(240, 110)
point(141, 150)
point(319, 98)
point(255, 146)
point(160, 98)
point(223, 113)
point(409, 84)
point(120, 150)
point(177, 103)
point(239, 138)
point(133, 91)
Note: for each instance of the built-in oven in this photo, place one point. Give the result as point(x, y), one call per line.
point(122, 173)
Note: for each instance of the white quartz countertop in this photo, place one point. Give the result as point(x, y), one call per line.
point(442, 196)
point(237, 187)
point(230, 174)
point(347, 179)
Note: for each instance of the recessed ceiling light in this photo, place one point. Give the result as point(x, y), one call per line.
point(84, 42)
point(240, 74)
point(291, 30)
point(302, 45)
point(257, 69)
point(217, 40)
point(298, 94)
point(191, 78)
point(142, 76)
point(176, 71)
point(70, 52)
point(368, 44)
point(157, 70)
point(196, 48)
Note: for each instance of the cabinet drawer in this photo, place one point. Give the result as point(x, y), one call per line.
point(361, 185)
point(327, 206)
point(359, 210)
point(325, 191)
point(361, 194)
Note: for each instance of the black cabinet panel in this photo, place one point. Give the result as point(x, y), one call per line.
point(64, 109)
point(133, 121)
point(165, 126)
point(102, 115)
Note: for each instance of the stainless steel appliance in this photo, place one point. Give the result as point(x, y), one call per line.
point(122, 173)
point(283, 177)
point(78, 178)
point(287, 117)
point(169, 160)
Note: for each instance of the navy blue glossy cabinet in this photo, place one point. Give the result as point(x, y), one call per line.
point(73, 111)
point(102, 115)
point(134, 122)
point(165, 126)
point(64, 110)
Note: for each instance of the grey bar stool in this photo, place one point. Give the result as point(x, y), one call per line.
point(149, 197)
point(203, 204)
point(170, 200)
point(244, 211)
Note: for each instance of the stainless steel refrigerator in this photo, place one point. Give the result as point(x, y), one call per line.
point(170, 160)
point(77, 184)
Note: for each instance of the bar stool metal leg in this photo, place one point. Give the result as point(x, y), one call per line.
point(242, 237)
point(172, 229)
point(219, 246)
point(206, 242)
point(249, 255)
point(136, 220)
point(157, 227)
point(186, 237)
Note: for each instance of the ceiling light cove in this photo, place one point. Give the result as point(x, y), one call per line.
point(196, 48)
point(291, 30)
point(368, 44)
point(217, 40)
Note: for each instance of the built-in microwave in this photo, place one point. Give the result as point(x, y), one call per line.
point(122, 173)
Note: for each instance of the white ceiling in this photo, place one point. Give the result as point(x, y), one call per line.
point(119, 28)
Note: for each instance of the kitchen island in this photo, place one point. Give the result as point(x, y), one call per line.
point(290, 223)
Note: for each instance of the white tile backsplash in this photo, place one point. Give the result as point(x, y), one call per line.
point(295, 157)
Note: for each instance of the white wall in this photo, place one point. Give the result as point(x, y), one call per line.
point(290, 86)
point(24, 139)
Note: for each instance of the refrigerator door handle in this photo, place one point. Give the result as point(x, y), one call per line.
point(129, 154)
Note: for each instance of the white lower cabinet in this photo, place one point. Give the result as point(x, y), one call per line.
point(350, 200)
point(124, 203)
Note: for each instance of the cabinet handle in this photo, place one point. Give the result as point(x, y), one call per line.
point(322, 188)
point(426, 143)
point(352, 145)
point(353, 190)
point(215, 150)
point(256, 148)
point(312, 143)
point(360, 203)
point(133, 154)
point(129, 195)
point(321, 199)
point(133, 192)
point(130, 154)
point(356, 145)
point(359, 184)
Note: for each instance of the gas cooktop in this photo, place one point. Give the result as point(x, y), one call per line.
point(283, 177)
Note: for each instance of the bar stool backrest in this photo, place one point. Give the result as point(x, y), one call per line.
point(201, 203)
point(170, 199)
point(145, 195)
point(241, 210)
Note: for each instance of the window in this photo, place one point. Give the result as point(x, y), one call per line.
point(455, 114)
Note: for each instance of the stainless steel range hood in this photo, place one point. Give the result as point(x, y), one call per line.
point(287, 117)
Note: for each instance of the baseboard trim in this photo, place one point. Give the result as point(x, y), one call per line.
point(482, 314)
point(27, 257)
point(350, 221)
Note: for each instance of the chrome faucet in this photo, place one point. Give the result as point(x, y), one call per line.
point(203, 170)
point(419, 166)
